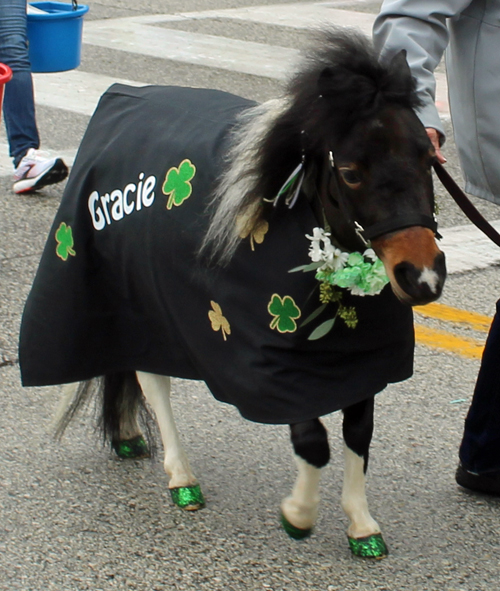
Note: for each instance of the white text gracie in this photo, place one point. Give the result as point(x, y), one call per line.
point(112, 207)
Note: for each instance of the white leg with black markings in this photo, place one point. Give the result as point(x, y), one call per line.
point(300, 510)
point(364, 535)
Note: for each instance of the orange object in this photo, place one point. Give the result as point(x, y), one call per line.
point(5, 76)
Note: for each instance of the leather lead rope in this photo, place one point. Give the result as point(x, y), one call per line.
point(465, 204)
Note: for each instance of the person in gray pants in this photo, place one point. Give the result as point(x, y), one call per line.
point(469, 32)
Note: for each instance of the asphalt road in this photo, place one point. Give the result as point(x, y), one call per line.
point(73, 517)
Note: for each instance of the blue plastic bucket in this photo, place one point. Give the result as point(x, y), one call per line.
point(55, 36)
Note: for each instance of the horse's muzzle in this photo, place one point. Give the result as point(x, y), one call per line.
point(414, 264)
point(419, 286)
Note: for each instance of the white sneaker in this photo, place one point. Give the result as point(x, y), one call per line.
point(37, 169)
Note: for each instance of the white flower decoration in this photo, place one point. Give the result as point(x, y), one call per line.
point(316, 253)
point(337, 266)
point(370, 254)
point(334, 258)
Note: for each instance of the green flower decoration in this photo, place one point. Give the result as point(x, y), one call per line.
point(177, 185)
point(362, 278)
point(362, 274)
point(285, 311)
point(64, 238)
point(355, 258)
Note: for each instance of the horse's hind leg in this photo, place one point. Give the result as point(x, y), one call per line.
point(299, 511)
point(121, 400)
point(363, 532)
point(185, 490)
point(127, 440)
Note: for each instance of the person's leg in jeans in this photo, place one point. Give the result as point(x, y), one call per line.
point(33, 169)
point(18, 105)
point(480, 449)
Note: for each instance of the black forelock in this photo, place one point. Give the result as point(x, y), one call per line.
point(339, 83)
point(342, 81)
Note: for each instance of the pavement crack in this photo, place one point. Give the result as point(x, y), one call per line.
point(17, 257)
point(8, 362)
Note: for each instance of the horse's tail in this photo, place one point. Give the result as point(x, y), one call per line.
point(119, 407)
point(237, 203)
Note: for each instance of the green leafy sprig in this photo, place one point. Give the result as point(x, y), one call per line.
point(359, 273)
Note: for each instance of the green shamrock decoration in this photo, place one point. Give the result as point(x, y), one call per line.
point(285, 311)
point(64, 238)
point(177, 185)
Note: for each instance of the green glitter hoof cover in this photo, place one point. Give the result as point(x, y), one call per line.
point(294, 532)
point(131, 448)
point(188, 497)
point(369, 547)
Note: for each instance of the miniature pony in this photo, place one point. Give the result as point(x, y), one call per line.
point(171, 254)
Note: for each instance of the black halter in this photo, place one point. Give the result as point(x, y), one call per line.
point(334, 197)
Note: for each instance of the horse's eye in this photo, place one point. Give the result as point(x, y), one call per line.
point(351, 177)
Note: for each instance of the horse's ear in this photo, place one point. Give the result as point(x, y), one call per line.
point(325, 80)
point(399, 63)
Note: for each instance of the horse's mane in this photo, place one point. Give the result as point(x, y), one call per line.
point(340, 82)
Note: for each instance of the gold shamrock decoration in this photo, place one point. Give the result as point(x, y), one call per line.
point(218, 321)
point(257, 233)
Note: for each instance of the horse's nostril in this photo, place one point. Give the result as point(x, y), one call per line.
point(407, 276)
point(421, 286)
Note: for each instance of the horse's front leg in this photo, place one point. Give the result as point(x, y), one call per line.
point(363, 532)
point(300, 510)
point(184, 488)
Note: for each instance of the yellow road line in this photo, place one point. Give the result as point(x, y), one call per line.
point(450, 314)
point(437, 339)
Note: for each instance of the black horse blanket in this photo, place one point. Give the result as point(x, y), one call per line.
point(121, 285)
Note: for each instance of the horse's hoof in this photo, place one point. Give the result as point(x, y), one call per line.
point(294, 532)
point(189, 498)
point(370, 547)
point(131, 448)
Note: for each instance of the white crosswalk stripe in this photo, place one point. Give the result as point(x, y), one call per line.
point(234, 55)
point(296, 16)
point(75, 91)
point(78, 91)
point(468, 248)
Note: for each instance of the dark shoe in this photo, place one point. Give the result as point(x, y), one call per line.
point(488, 482)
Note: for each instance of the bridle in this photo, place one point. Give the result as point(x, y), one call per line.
point(333, 200)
